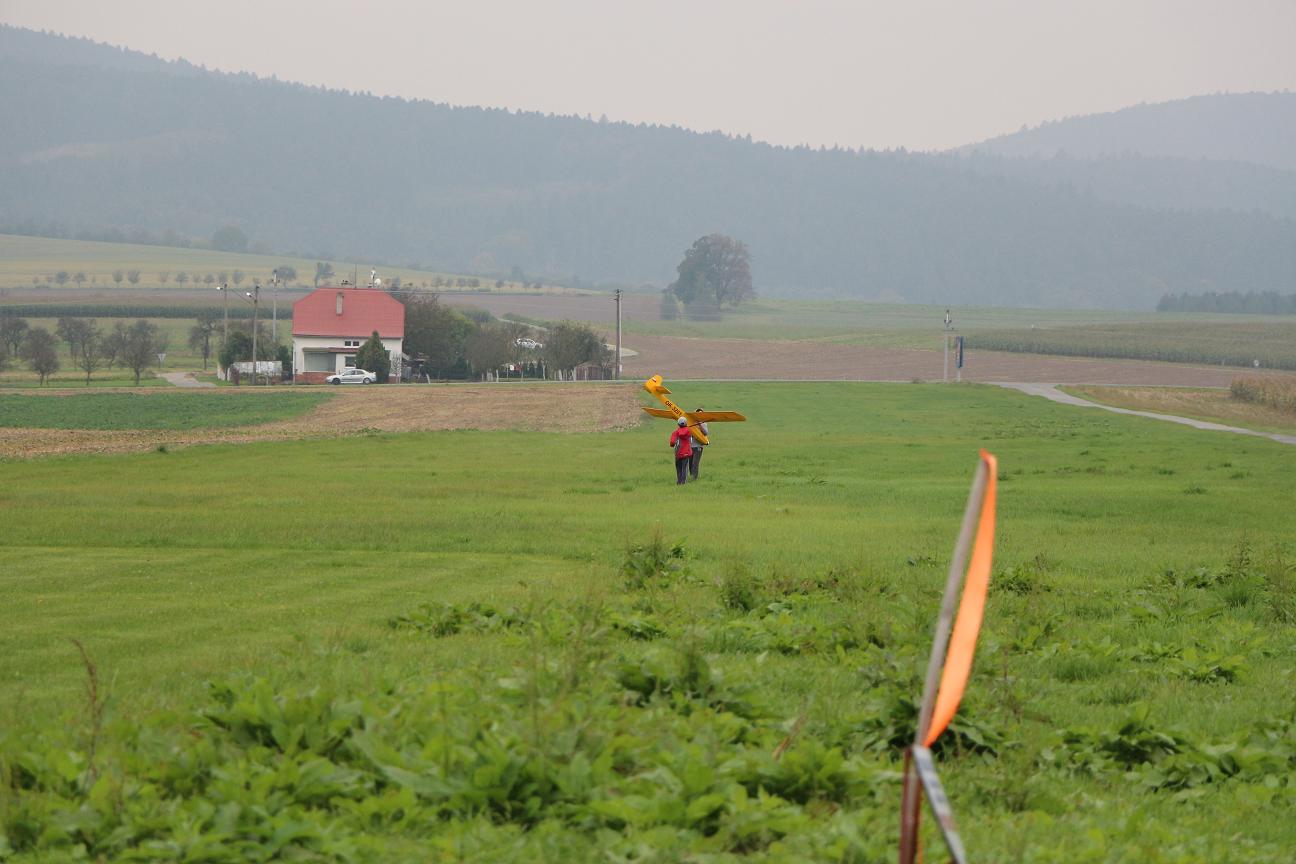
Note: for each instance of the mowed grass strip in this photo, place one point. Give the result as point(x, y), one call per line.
point(158, 410)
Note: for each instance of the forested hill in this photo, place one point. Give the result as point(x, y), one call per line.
point(98, 138)
point(1259, 128)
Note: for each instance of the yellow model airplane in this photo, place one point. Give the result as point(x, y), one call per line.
point(695, 418)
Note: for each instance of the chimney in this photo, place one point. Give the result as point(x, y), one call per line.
point(339, 303)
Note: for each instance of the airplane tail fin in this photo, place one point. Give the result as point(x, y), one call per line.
point(654, 385)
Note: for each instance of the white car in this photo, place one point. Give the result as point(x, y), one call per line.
point(524, 342)
point(352, 375)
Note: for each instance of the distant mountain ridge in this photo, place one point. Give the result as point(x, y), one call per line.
point(1259, 128)
point(106, 137)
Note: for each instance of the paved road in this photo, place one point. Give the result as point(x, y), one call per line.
point(184, 379)
point(1051, 391)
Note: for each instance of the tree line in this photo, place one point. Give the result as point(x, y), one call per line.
point(1248, 302)
point(471, 343)
point(90, 348)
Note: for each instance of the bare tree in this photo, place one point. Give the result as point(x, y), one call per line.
point(200, 335)
point(79, 278)
point(73, 331)
point(111, 345)
point(133, 276)
point(236, 276)
point(62, 277)
point(182, 277)
point(12, 332)
point(89, 357)
point(140, 347)
point(323, 272)
point(118, 276)
point(164, 277)
point(39, 350)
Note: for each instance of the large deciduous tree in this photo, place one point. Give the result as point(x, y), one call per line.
point(716, 271)
point(488, 348)
point(436, 331)
point(323, 272)
point(571, 343)
point(40, 350)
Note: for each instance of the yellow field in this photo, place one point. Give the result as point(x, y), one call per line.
point(26, 262)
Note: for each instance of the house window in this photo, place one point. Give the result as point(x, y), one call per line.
point(318, 361)
point(350, 343)
point(348, 360)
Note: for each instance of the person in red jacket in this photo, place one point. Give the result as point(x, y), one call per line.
point(681, 441)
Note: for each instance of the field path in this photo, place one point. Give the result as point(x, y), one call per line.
point(1051, 391)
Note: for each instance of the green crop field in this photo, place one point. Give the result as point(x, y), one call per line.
point(1260, 341)
point(511, 646)
point(164, 410)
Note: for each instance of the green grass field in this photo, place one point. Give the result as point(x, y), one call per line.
point(164, 410)
point(294, 667)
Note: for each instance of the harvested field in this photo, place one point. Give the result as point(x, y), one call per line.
point(675, 357)
point(535, 407)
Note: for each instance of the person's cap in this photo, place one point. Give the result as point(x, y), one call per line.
point(682, 422)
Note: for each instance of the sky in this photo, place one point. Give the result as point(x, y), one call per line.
point(919, 74)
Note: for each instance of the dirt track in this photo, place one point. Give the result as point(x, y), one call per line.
point(542, 407)
point(734, 358)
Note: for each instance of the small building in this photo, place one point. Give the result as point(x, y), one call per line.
point(330, 325)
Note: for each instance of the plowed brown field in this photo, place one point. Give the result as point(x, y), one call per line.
point(674, 357)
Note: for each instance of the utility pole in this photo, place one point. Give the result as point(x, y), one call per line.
point(617, 376)
point(224, 289)
point(274, 308)
point(255, 294)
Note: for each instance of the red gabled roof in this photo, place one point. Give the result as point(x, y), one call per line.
point(364, 310)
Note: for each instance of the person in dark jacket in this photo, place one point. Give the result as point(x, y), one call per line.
point(681, 441)
point(696, 461)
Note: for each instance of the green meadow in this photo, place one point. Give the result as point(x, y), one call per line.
point(162, 410)
point(486, 646)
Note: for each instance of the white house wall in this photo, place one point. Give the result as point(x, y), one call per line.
point(303, 343)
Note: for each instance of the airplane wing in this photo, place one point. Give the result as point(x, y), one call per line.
point(715, 416)
point(659, 412)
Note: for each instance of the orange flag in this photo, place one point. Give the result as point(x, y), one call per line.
point(962, 646)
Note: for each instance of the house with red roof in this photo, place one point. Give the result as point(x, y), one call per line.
point(330, 325)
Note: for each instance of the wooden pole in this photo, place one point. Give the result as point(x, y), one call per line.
point(618, 334)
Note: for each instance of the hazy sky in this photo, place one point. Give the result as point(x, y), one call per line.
point(923, 74)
